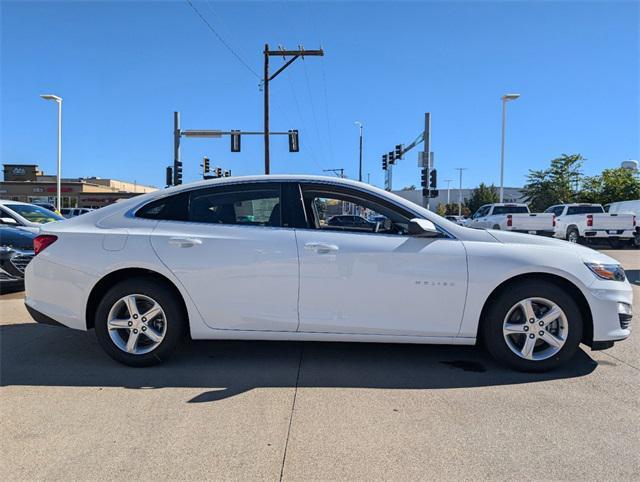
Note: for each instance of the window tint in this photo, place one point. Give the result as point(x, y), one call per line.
point(256, 207)
point(510, 210)
point(170, 208)
point(33, 213)
point(342, 211)
point(584, 210)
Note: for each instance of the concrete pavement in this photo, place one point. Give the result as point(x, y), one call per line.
point(311, 411)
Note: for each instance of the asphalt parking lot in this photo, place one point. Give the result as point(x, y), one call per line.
point(303, 411)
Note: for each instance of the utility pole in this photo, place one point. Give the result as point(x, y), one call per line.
point(359, 124)
point(294, 54)
point(448, 181)
point(460, 190)
point(338, 171)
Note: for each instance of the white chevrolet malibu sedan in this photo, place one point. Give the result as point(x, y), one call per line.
point(318, 259)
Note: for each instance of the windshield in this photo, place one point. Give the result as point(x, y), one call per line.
point(510, 210)
point(34, 213)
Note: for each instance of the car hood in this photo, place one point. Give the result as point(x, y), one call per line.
point(557, 246)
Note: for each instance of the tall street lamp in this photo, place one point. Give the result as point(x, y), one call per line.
point(360, 125)
point(448, 181)
point(460, 190)
point(505, 98)
point(58, 100)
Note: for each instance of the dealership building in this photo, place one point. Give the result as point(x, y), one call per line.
point(26, 183)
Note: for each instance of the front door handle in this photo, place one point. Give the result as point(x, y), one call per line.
point(321, 248)
point(184, 242)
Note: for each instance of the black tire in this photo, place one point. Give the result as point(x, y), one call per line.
point(491, 329)
point(176, 320)
point(497, 226)
point(573, 235)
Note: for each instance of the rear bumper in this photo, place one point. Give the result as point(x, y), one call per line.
point(606, 233)
point(533, 231)
point(39, 317)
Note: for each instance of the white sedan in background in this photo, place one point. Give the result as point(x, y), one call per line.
point(254, 259)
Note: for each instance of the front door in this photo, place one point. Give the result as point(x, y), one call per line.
point(372, 277)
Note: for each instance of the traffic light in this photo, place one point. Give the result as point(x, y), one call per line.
point(218, 172)
point(169, 176)
point(392, 159)
point(205, 165)
point(433, 179)
point(384, 162)
point(227, 173)
point(434, 193)
point(424, 177)
point(177, 173)
point(235, 141)
point(398, 154)
point(294, 145)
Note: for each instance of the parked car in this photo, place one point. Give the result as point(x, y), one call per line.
point(25, 215)
point(16, 251)
point(48, 206)
point(628, 207)
point(456, 219)
point(581, 222)
point(147, 270)
point(73, 212)
point(512, 217)
point(350, 221)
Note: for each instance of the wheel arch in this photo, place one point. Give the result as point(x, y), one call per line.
point(114, 277)
point(563, 283)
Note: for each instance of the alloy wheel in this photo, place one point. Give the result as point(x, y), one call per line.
point(136, 324)
point(535, 329)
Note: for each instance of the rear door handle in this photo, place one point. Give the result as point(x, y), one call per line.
point(321, 248)
point(184, 242)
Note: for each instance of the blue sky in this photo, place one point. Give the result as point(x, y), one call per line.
point(124, 67)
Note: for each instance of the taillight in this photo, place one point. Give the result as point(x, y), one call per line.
point(590, 220)
point(42, 241)
point(554, 220)
point(634, 221)
point(509, 220)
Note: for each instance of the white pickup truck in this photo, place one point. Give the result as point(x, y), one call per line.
point(581, 222)
point(512, 217)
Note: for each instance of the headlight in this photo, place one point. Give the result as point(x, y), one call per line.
point(607, 271)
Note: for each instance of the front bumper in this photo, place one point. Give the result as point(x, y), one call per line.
point(39, 317)
point(605, 299)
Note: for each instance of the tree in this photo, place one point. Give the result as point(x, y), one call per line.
point(555, 185)
point(482, 195)
point(409, 188)
point(452, 209)
point(612, 185)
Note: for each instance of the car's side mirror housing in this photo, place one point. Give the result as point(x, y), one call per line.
point(423, 228)
point(8, 221)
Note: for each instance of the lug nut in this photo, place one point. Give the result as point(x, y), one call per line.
point(525, 328)
point(144, 320)
point(144, 328)
point(541, 333)
point(531, 335)
point(541, 323)
point(130, 323)
point(135, 317)
point(135, 332)
point(531, 320)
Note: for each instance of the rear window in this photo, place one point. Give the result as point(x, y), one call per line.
point(584, 210)
point(510, 210)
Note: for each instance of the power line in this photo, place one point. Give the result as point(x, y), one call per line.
point(222, 40)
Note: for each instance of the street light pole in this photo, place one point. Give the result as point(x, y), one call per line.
point(448, 181)
point(359, 124)
point(460, 190)
point(505, 98)
point(58, 100)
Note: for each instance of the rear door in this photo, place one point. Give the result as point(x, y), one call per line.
point(229, 248)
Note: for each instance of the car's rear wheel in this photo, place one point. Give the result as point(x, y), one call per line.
point(533, 326)
point(138, 322)
point(573, 236)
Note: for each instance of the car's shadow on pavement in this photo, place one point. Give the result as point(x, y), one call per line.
point(38, 355)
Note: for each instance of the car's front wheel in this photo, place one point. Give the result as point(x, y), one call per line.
point(138, 322)
point(533, 326)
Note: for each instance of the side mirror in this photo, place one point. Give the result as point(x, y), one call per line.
point(8, 221)
point(422, 227)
